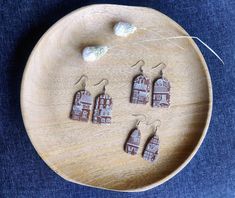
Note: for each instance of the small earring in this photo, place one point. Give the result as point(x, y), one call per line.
point(102, 113)
point(133, 141)
point(151, 150)
point(161, 90)
point(140, 87)
point(82, 103)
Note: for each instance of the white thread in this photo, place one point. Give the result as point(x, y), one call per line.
point(161, 36)
point(173, 37)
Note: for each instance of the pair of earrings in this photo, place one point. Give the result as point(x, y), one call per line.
point(83, 102)
point(141, 88)
point(151, 149)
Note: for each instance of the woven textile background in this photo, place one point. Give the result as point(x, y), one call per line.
point(211, 173)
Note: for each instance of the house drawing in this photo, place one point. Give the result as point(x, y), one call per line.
point(161, 93)
point(152, 149)
point(82, 106)
point(132, 144)
point(103, 109)
point(140, 90)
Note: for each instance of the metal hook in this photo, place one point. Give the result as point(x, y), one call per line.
point(86, 79)
point(138, 122)
point(161, 63)
point(107, 82)
point(157, 125)
point(141, 66)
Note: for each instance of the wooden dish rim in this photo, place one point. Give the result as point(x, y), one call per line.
point(188, 159)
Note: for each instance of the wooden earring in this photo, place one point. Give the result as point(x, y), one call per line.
point(133, 141)
point(102, 113)
point(151, 150)
point(140, 87)
point(82, 103)
point(161, 90)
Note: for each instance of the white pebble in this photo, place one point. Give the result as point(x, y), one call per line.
point(123, 29)
point(93, 53)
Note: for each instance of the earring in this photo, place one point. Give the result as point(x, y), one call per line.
point(141, 87)
point(161, 90)
point(82, 103)
point(151, 150)
point(103, 107)
point(133, 141)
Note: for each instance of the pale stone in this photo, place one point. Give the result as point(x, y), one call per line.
point(93, 53)
point(123, 29)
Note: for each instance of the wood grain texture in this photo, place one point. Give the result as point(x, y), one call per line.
point(91, 154)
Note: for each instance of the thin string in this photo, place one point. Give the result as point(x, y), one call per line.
point(162, 37)
point(174, 37)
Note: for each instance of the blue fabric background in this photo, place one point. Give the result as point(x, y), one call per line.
point(211, 173)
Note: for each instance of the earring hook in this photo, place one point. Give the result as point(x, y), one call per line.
point(138, 122)
point(157, 125)
point(107, 82)
point(86, 79)
point(161, 63)
point(141, 66)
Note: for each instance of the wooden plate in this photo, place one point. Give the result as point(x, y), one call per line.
point(93, 155)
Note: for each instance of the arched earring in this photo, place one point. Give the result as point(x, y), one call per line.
point(82, 103)
point(102, 113)
point(133, 141)
point(151, 150)
point(161, 90)
point(140, 87)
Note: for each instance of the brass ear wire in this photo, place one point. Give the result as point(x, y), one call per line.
point(139, 121)
point(85, 82)
point(141, 66)
point(107, 82)
point(161, 63)
point(157, 125)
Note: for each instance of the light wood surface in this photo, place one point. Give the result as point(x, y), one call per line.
point(93, 155)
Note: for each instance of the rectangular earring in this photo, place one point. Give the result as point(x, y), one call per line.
point(102, 112)
point(140, 87)
point(82, 104)
point(151, 150)
point(161, 91)
point(133, 141)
